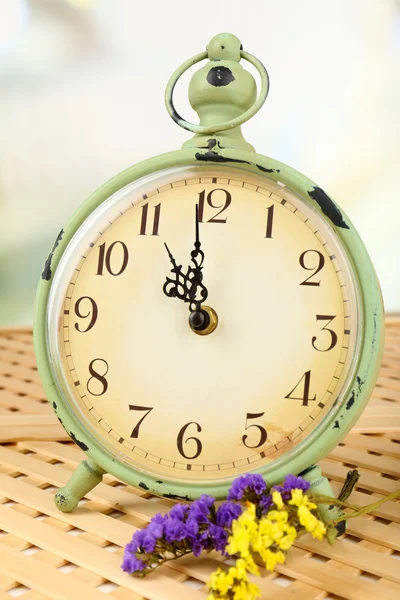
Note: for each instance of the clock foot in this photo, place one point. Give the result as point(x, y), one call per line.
point(320, 485)
point(86, 476)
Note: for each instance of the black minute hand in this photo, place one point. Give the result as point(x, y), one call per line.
point(188, 286)
point(197, 292)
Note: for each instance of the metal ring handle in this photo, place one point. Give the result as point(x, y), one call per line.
point(202, 129)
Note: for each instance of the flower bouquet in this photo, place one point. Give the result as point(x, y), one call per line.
point(255, 527)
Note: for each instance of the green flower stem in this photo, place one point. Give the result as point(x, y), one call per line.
point(317, 499)
point(366, 509)
point(162, 559)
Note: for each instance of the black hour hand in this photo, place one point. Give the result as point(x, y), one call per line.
point(175, 287)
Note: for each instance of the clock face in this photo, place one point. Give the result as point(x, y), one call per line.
point(203, 408)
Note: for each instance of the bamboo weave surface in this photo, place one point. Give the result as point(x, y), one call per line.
point(48, 554)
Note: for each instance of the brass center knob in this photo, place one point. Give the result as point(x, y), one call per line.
point(203, 322)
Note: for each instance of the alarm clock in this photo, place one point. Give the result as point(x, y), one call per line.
point(208, 312)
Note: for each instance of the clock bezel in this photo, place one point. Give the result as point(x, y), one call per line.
point(371, 345)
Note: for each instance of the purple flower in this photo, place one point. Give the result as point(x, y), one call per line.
point(251, 482)
point(219, 537)
point(266, 503)
point(200, 509)
point(197, 534)
point(137, 540)
point(192, 528)
point(130, 564)
point(149, 542)
point(197, 547)
point(292, 482)
point(207, 500)
point(174, 530)
point(227, 512)
point(179, 511)
point(200, 542)
point(156, 526)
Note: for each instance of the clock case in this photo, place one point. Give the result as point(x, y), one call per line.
point(217, 103)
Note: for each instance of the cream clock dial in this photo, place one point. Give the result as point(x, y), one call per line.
point(159, 396)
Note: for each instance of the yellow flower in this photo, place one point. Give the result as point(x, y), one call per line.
point(300, 499)
point(213, 581)
point(235, 580)
point(270, 536)
point(249, 515)
point(297, 497)
point(277, 499)
point(311, 523)
point(244, 530)
point(264, 538)
point(245, 591)
point(241, 569)
point(278, 515)
point(271, 559)
point(319, 531)
point(221, 581)
point(239, 541)
point(287, 540)
point(251, 565)
point(306, 518)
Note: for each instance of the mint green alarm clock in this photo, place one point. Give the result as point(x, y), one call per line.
point(207, 312)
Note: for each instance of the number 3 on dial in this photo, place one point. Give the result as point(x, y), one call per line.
point(334, 337)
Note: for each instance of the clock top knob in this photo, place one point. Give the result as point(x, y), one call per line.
point(222, 92)
point(225, 46)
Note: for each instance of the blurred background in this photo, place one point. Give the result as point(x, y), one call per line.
point(81, 98)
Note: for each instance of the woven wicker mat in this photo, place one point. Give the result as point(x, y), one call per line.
point(48, 554)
